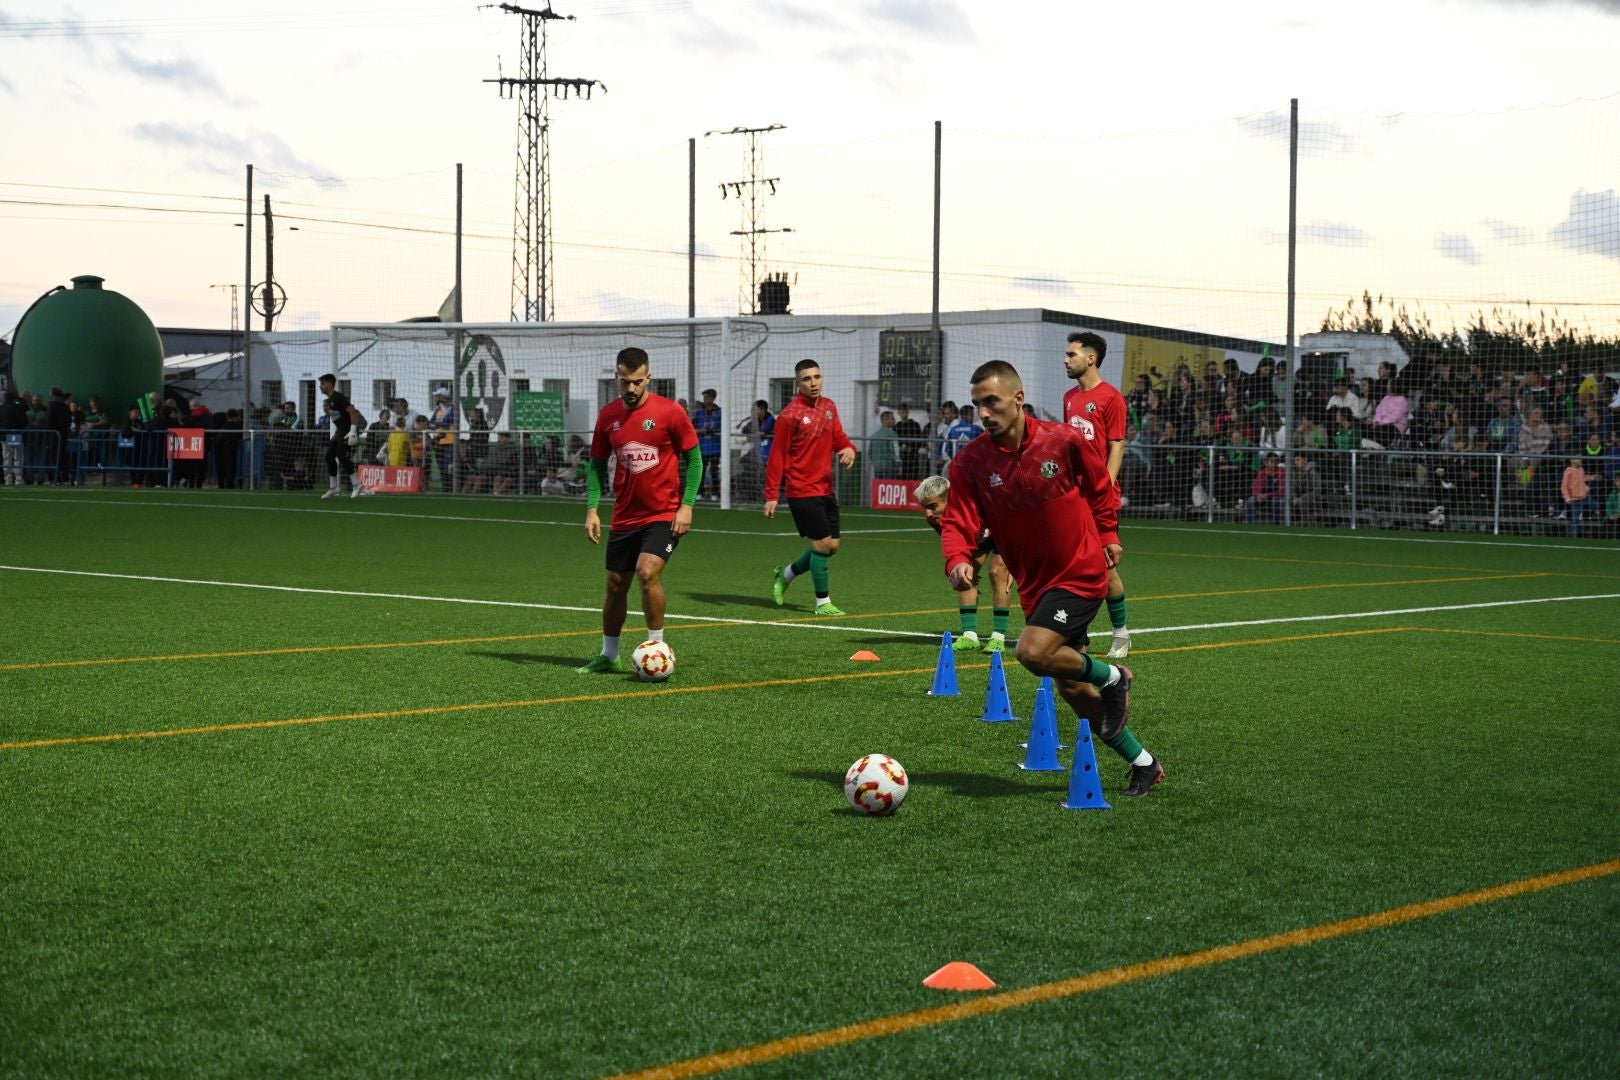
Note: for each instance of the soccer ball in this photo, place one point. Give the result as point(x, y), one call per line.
point(654, 661)
point(876, 784)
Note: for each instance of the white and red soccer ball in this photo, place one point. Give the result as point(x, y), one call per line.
point(653, 661)
point(876, 784)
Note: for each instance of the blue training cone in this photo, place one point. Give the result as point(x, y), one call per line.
point(1047, 689)
point(997, 702)
point(945, 671)
point(1085, 786)
point(1041, 755)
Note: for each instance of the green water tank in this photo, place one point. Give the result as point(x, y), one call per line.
point(89, 341)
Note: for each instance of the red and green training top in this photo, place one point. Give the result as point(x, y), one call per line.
point(646, 445)
point(806, 437)
point(1048, 503)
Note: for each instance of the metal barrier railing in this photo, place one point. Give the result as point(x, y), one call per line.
point(30, 456)
point(1495, 493)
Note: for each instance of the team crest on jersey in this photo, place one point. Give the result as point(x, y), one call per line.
point(995, 479)
point(648, 425)
point(1049, 469)
point(828, 414)
point(1091, 406)
point(1084, 427)
point(638, 457)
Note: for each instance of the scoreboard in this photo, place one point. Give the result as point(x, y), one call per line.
point(909, 367)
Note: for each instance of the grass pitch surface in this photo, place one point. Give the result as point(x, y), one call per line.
point(293, 786)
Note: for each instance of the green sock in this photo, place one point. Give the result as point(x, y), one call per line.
point(1116, 610)
point(970, 619)
point(998, 620)
point(818, 573)
point(1126, 745)
point(802, 563)
point(1097, 673)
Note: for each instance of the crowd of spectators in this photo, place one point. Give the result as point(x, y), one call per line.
point(1202, 437)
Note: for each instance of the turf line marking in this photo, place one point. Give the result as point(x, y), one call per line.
point(898, 1023)
point(1139, 630)
point(1512, 634)
point(1553, 543)
point(794, 623)
point(292, 650)
point(97, 502)
point(1522, 576)
point(93, 500)
point(617, 695)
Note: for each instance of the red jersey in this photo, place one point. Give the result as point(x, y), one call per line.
point(646, 445)
point(1100, 414)
point(806, 438)
point(1030, 499)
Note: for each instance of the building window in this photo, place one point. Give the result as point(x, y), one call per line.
point(383, 393)
point(270, 393)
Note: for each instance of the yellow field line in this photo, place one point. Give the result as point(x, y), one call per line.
point(1338, 585)
point(293, 650)
point(439, 710)
point(883, 1027)
point(1512, 634)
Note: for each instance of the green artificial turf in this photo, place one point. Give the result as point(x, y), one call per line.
point(462, 858)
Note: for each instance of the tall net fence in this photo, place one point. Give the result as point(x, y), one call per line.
point(1183, 228)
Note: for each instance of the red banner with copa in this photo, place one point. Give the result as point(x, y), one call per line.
point(187, 444)
point(895, 495)
point(391, 479)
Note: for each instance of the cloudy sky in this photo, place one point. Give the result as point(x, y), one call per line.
point(1126, 161)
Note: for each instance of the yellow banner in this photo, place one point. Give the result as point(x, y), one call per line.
point(1158, 360)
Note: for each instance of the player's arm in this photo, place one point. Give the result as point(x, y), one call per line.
point(1116, 458)
point(776, 465)
point(959, 535)
point(595, 484)
point(693, 462)
point(357, 424)
point(1102, 496)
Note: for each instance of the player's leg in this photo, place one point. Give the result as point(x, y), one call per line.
point(623, 550)
point(657, 545)
point(333, 459)
point(1001, 598)
point(1086, 701)
point(1116, 617)
point(967, 610)
point(818, 522)
point(1053, 643)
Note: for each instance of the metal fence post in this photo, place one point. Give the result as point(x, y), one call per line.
point(1355, 484)
point(1496, 503)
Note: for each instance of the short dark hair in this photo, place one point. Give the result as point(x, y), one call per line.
point(804, 365)
point(328, 377)
point(995, 369)
point(1094, 342)
point(632, 359)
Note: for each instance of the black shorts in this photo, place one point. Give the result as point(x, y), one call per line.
point(987, 545)
point(816, 516)
point(624, 549)
point(1065, 613)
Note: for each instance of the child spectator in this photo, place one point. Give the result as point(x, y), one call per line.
point(1577, 493)
point(1266, 493)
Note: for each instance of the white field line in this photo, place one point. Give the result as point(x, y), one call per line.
point(456, 600)
point(1135, 631)
point(768, 530)
point(1128, 527)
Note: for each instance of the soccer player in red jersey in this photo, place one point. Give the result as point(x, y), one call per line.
point(809, 436)
point(934, 495)
point(1047, 499)
point(645, 434)
point(1099, 411)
